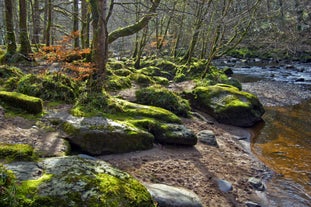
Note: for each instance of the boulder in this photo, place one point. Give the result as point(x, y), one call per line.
point(207, 137)
point(99, 135)
point(175, 134)
point(74, 181)
point(169, 196)
point(29, 103)
point(227, 104)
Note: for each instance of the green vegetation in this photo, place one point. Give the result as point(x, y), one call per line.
point(16, 152)
point(29, 103)
point(53, 87)
point(161, 97)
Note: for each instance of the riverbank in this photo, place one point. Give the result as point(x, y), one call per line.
point(197, 168)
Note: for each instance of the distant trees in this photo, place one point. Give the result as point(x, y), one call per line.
point(183, 29)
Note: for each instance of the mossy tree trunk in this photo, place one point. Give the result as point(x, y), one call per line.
point(10, 35)
point(25, 43)
point(140, 48)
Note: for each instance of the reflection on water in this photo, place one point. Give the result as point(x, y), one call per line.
point(283, 143)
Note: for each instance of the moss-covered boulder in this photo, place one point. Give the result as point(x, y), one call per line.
point(52, 87)
point(161, 97)
point(17, 152)
point(228, 105)
point(99, 135)
point(75, 181)
point(28, 103)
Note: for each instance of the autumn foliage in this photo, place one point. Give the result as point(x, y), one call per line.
point(74, 62)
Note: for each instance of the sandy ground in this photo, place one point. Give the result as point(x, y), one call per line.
point(198, 168)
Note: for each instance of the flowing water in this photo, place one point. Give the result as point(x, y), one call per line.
point(283, 141)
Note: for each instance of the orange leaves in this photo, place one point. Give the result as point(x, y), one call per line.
point(79, 70)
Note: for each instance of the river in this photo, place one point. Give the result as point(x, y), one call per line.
point(283, 140)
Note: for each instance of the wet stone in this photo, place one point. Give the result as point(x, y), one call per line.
point(256, 183)
point(207, 137)
point(224, 185)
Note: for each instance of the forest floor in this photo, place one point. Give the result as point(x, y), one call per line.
point(195, 168)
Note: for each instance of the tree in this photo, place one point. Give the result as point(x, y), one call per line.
point(76, 22)
point(101, 39)
point(25, 43)
point(10, 35)
point(85, 30)
point(36, 22)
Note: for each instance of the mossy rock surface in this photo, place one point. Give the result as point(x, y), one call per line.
point(161, 97)
point(16, 152)
point(76, 181)
point(228, 105)
point(29, 103)
point(99, 135)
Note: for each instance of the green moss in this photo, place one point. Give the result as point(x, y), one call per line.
point(142, 111)
point(161, 97)
point(28, 103)
point(115, 64)
point(242, 53)
point(142, 79)
point(54, 87)
point(122, 72)
point(17, 152)
point(161, 80)
point(116, 83)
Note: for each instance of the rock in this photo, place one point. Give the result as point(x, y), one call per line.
point(300, 80)
point(169, 196)
point(99, 135)
point(29, 103)
point(74, 181)
point(256, 183)
point(224, 185)
point(228, 72)
point(176, 134)
point(252, 204)
point(227, 104)
point(207, 137)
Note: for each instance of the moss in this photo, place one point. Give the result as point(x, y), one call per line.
point(29, 103)
point(161, 80)
point(115, 64)
point(116, 83)
point(141, 111)
point(162, 97)
point(122, 72)
point(142, 79)
point(52, 86)
point(242, 53)
point(17, 152)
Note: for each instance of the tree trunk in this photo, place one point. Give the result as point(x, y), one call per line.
point(100, 37)
point(10, 35)
point(48, 4)
point(25, 43)
point(141, 47)
point(85, 30)
point(36, 23)
point(76, 23)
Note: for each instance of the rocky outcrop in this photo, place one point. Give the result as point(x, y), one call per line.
point(227, 104)
point(76, 181)
point(169, 196)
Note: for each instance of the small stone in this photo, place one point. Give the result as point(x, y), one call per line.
point(256, 183)
point(252, 204)
point(169, 196)
point(207, 137)
point(224, 186)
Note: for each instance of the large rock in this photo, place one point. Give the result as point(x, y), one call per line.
point(169, 196)
point(99, 135)
point(175, 134)
point(76, 181)
point(228, 105)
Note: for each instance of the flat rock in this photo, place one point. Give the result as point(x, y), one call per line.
point(224, 185)
point(169, 196)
